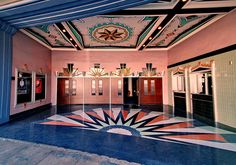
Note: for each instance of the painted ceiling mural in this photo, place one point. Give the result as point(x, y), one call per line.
point(118, 31)
point(178, 27)
point(135, 28)
point(50, 35)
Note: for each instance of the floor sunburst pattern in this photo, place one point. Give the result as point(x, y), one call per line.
point(152, 125)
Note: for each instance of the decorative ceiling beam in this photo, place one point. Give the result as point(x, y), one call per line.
point(67, 35)
point(47, 45)
point(197, 30)
point(157, 23)
point(51, 11)
point(164, 23)
point(69, 28)
point(26, 32)
point(154, 12)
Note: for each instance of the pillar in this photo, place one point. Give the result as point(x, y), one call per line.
point(6, 34)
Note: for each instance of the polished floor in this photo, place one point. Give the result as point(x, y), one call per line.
point(15, 152)
point(146, 135)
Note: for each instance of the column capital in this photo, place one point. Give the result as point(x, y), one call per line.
point(4, 26)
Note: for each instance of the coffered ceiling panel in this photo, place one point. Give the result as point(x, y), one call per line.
point(179, 27)
point(110, 31)
point(158, 25)
point(50, 35)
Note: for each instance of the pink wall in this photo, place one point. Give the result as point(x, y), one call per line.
point(28, 51)
point(110, 60)
point(218, 35)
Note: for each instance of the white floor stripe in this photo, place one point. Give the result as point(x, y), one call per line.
point(64, 119)
point(132, 113)
point(116, 112)
point(192, 130)
point(225, 146)
point(100, 113)
point(150, 115)
point(170, 121)
point(83, 114)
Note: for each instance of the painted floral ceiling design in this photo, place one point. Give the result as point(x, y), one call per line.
point(161, 24)
point(121, 31)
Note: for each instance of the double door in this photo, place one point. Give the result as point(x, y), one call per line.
point(135, 91)
point(151, 91)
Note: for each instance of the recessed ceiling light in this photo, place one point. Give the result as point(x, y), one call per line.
point(144, 45)
point(150, 38)
point(64, 30)
point(184, 0)
point(159, 28)
point(76, 45)
point(71, 39)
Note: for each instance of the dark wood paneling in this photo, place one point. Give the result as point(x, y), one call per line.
point(203, 107)
point(180, 104)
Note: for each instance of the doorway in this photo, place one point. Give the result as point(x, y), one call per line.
point(131, 88)
point(66, 91)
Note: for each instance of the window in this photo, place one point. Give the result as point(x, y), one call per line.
point(67, 87)
point(145, 87)
point(119, 88)
point(24, 87)
point(93, 87)
point(40, 86)
point(100, 90)
point(74, 87)
point(152, 87)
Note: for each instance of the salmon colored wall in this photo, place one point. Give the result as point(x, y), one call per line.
point(218, 35)
point(109, 60)
point(28, 51)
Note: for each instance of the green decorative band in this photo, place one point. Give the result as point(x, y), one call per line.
point(147, 31)
point(38, 37)
point(76, 34)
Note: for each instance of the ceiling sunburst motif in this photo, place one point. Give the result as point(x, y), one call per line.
point(110, 33)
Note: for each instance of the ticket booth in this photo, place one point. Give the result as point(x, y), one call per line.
point(179, 92)
point(201, 88)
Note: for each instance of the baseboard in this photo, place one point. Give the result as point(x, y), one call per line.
point(30, 112)
point(226, 127)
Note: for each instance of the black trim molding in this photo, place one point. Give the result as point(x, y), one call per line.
point(30, 112)
point(209, 54)
point(226, 127)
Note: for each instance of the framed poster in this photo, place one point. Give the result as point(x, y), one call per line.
point(40, 86)
point(23, 87)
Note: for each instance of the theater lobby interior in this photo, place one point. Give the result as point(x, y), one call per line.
point(117, 82)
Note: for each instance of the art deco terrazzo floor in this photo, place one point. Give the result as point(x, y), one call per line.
point(136, 135)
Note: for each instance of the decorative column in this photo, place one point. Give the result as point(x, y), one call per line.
point(6, 34)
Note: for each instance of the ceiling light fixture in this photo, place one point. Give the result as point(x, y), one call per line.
point(144, 45)
point(71, 39)
point(64, 30)
point(159, 28)
point(76, 45)
point(150, 38)
point(184, 0)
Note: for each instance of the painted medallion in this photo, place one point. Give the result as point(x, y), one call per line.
point(110, 33)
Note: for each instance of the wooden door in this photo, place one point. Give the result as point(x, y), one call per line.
point(62, 95)
point(151, 91)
